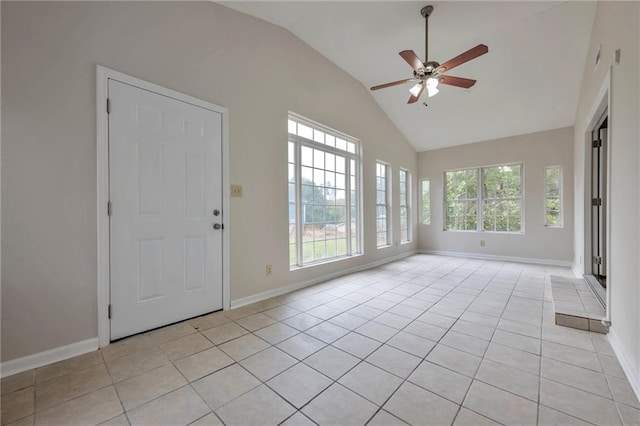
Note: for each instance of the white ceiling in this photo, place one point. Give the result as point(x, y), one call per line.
point(528, 82)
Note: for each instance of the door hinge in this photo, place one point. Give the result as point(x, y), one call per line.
point(596, 201)
point(596, 144)
point(109, 310)
point(109, 208)
point(108, 106)
point(597, 260)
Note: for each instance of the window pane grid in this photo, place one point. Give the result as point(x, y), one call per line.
point(426, 202)
point(499, 188)
point(382, 206)
point(324, 201)
point(405, 219)
point(553, 196)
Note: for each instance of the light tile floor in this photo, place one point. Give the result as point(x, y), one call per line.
point(425, 340)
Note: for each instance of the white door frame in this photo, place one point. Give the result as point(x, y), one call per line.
point(103, 75)
point(601, 103)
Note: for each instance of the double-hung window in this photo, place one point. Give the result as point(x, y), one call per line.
point(405, 206)
point(324, 193)
point(383, 206)
point(426, 201)
point(553, 196)
point(484, 199)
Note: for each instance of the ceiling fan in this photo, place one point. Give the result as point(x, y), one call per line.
point(429, 74)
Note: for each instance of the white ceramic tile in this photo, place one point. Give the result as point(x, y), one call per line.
point(299, 384)
point(301, 346)
point(338, 405)
point(414, 404)
point(179, 407)
point(491, 402)
point(225, 385)
point(331, 362)
point(357, 345)
point(268, 363)
point(260, 406)
point(371, 382)
point(394, 361)
point(454, 359)
point(442, 381)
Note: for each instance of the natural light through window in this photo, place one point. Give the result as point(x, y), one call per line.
point(553, 196)
point(426, 201)
point(324, 207)
point(484, 199)
point(405, 206)
point(382, 204)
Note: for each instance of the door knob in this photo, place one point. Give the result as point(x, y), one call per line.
point(217, 226)
point(216, 212)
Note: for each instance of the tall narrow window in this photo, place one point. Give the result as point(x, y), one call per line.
point(426, 201)
point(405, 206)
point(324, 206)
point(382, 205)
point(461, 200)
point(502, 198)
point(553, 196)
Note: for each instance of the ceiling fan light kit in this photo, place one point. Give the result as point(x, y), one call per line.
point(429, 74)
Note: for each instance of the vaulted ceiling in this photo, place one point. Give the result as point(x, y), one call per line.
point(528, 82)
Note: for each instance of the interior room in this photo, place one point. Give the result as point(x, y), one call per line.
point(236, 213)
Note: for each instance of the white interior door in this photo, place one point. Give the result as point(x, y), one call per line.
point(165, 184)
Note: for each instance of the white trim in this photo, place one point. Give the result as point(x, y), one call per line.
point(627, 361)
point(550, 262)
point(103, 75)
point(50, 356)
point(237, 303)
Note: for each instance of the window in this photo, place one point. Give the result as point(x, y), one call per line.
point(461, 200)
point(324, 194)
point(502, 198)
point(484, 199)
point(383, 208)
point(553, 196)
point(426, 202)
point(405, 206)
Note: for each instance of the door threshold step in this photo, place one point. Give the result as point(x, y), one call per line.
point(576, 306)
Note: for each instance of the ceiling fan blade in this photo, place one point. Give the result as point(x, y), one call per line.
point(393, 83)
point(412, 59)
point(414, 99)
point(457, 81)
point(470, 54)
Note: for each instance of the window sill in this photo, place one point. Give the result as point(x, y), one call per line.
point(323, 262)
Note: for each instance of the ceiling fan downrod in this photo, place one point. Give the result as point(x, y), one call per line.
point(425, 12)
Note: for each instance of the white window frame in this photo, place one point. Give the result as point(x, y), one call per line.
point(406, 189)
point(423, 220)
point(386, 205)
point(560, 223)
point(480, 199)
point(355, 169)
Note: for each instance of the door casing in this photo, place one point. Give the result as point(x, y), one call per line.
point(103, 75)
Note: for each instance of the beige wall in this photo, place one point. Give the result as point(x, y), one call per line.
point(615, 27)
point(257, 70)
point(536, 151)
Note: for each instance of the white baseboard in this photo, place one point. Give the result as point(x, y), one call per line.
point(550, 262)
point(29, 362)
point(627, 361)
point(577, 271)
point(297, 286)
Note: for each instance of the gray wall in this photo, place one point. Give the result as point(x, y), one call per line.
point(536, 151)
point(257, 70)
point(616, 27)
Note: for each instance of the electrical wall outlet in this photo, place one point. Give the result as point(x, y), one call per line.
point(269, 270)
point(236, 190)
point(482, 243)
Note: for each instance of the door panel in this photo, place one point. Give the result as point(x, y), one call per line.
point(165, 170)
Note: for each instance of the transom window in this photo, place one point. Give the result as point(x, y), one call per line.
point(324, 207)
point(484, 199)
